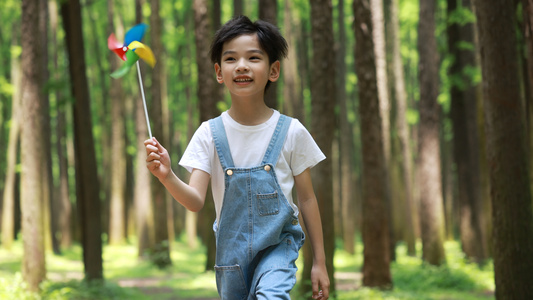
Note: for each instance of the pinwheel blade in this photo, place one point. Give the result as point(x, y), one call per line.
point(131, 58)
point(143, 51)
point(136, 33)
point(116, 47)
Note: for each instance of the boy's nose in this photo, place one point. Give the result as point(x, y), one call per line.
point(242, 67)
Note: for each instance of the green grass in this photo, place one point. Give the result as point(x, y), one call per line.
point(127, 277)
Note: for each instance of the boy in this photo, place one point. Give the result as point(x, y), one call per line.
point(253, 156)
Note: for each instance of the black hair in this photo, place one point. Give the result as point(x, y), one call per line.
point(270, 39)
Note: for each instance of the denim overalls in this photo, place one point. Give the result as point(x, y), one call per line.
point(257, 235)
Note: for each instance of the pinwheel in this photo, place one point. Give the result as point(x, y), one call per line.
point(130, 51)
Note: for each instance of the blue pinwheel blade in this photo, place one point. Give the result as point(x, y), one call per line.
point(136, 33)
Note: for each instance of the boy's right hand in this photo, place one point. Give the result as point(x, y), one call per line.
point(157, 159)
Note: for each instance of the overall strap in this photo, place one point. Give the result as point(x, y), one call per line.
point(221, 142)
point(278, 139)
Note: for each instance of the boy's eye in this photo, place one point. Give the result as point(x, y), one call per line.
point(229, 59)
point(255, 58)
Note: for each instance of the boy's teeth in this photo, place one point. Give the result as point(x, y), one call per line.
point(243, 80)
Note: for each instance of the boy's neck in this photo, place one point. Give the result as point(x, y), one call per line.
point(249, 113)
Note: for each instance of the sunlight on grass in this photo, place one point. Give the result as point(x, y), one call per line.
point(129, 277)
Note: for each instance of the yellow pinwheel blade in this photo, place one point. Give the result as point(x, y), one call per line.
point(143, 51)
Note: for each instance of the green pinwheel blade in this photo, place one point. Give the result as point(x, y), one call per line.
point(131, 59)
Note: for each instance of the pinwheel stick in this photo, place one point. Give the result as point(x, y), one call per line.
point(144, 100)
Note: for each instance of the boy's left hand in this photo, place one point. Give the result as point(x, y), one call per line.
point(320, 281)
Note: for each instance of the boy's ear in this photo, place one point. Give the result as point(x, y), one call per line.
point(218, 72)
point(274, 71)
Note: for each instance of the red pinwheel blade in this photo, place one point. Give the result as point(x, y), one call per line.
point(116, 47)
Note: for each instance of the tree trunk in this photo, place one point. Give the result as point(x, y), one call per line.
point(268, 10)
point(346, 162)
point(465, 141)
point(117, 201)
point(431, 203)
point(527, 7)
point(87, 186)
point(376, 268)
point(8, 205)
point(238, 7)
point(161, 251)
point(32, 142)
point(208, 110)
point(292, 92)
point(403, 130)
point(512, 213)
point(323, 120)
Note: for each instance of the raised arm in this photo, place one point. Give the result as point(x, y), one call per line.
point(191, 195)
point(311, 216)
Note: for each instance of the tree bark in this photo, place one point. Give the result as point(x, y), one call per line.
point(161, 251)
point(323, 120)
point(431, 204)
point(346, 161)
point(403, 130)
point(268, 10)
point(32, 142)
point(117, 201)
point(465, 141)
point(376, 265)
point(512, 213)
point(208, 110)
point(8, 205)
point(87, 185)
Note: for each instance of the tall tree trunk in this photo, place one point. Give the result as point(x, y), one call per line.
point(403, 129)
point(238, 7)
point(527, 8)
point(268, 10)
point(323, 120)
point(32, 142)
point(431, 204)
point(61, 201)
point(346, 161)
point(465, 141)
point(8, 205)
point(87, 185)
point(117, 201)
point(142, 195)
point(51, 242)
point(161, 251)
point(376, 265)
point(208, 110)
point(292, 92)
point(512, 213)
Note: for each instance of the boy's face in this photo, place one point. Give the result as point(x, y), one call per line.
point(245, 68)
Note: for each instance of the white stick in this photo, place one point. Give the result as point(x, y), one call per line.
point(144, 100)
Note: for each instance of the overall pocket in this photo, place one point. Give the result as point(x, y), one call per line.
point(230, 282)
point(268, 204)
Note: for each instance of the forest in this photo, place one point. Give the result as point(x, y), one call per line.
point(424, 110)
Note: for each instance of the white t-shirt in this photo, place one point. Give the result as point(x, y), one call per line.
point(248, 145)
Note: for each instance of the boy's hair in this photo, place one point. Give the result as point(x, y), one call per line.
point(268, 35)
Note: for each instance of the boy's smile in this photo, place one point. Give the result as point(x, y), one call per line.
point(245, 67)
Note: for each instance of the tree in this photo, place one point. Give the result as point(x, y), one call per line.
point(161, 251)
point(87, 186)
point(117, 201)
point(376, 265)
point(465, 140)
point(208, 110)
point(8, 205)
point(268, 10)
point(512, 214)
point(346, 140)
point(431, 204)
point(323, 120)
point(32, 142)
point(400, 97)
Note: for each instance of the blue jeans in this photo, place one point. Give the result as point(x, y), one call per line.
point(258, 236)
